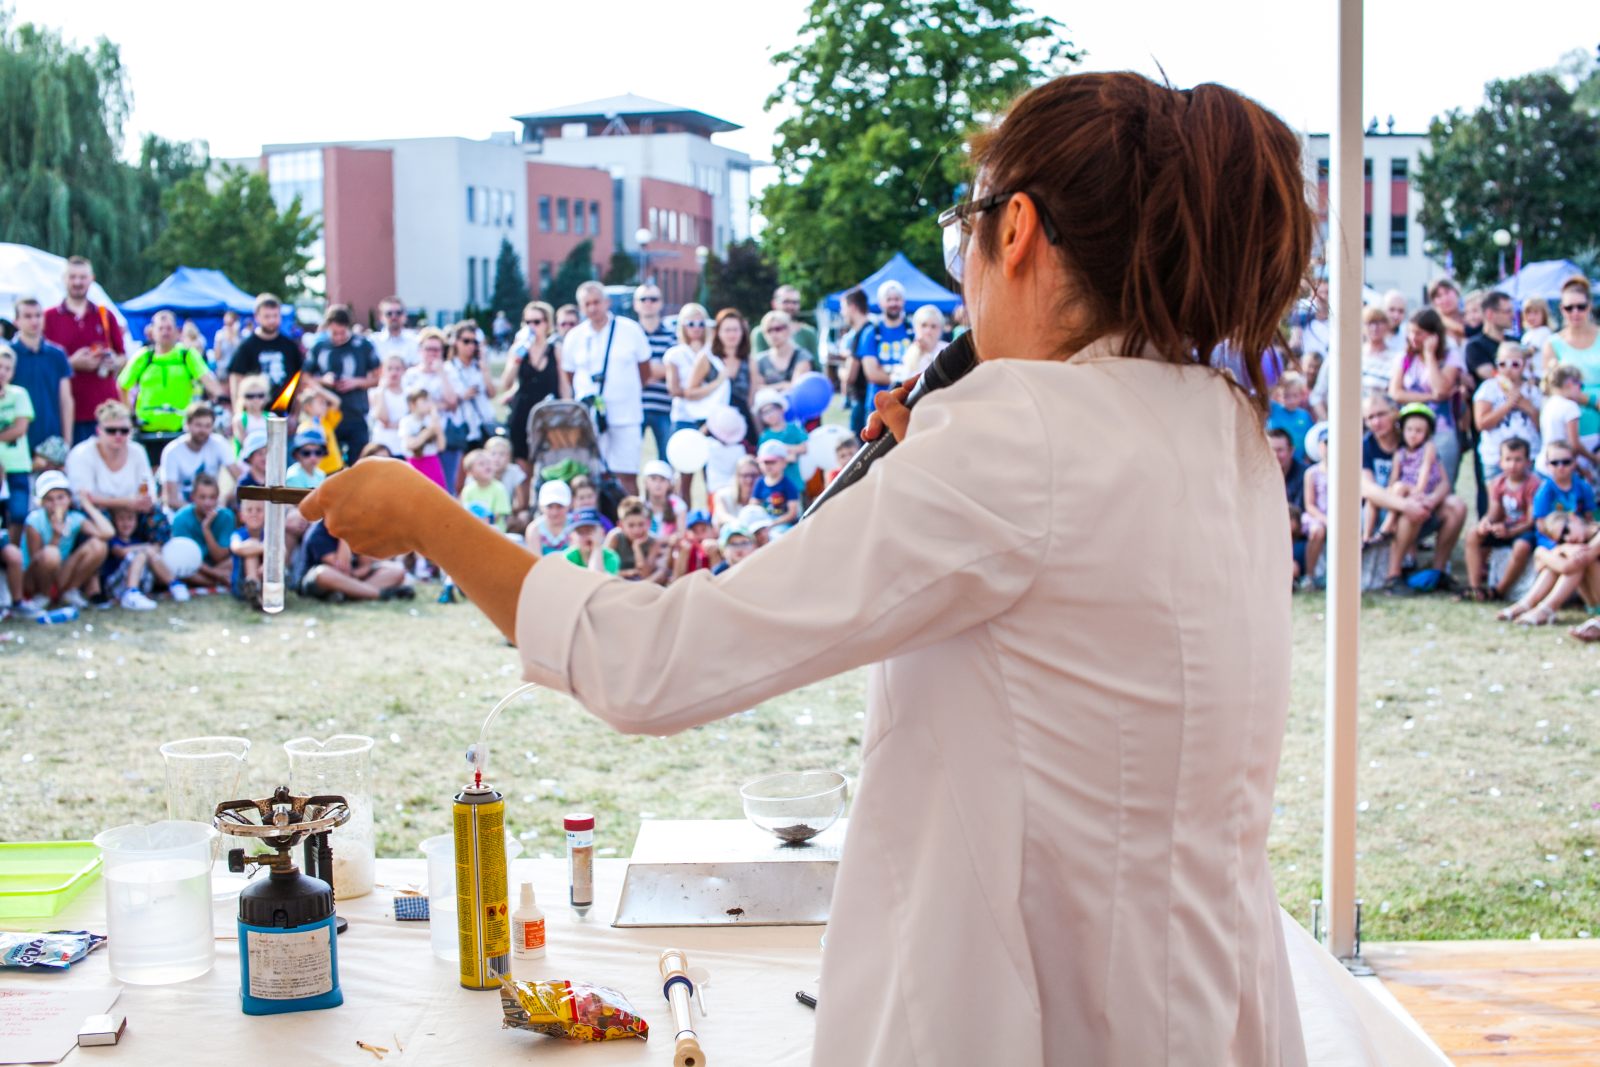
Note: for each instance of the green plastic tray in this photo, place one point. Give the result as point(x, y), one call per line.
point(39, 878)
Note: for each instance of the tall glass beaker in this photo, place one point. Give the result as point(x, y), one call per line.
point(341, 766)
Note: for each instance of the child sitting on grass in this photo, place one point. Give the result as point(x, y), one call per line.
point(549, 533)
point(134, 566)
point(248, 546)
point(1314, 505)
point(62, 547)
point(1508, 524)
point(309, 448)
point(1563, 511)
point(639, 556)
point(772, 408)
point(696, 549)
point(484, 494)
point(1289, 412)
point(510, 475)
point(587, 549)
point(335, 573)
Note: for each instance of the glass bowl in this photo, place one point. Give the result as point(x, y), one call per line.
point(795, 806)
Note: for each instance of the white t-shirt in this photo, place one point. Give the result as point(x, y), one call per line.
point(87, 472)
point(1316, 336)
point(432, 381)
point(583, 355)
point(512, 478)
point(722, 464)
point(180, 463)
point(477, 412)
point(1557, 412)
point(410, 426)
point(1515, 424)
point(394, 408)
point(404, 346)
point(683, 358)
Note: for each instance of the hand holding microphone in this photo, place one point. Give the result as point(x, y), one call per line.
point(893, 413)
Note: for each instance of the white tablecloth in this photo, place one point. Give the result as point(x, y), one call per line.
point(394, 987)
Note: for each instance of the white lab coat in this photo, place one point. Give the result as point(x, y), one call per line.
point(1072, 581)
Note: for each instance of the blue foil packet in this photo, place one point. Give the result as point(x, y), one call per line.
point(58, 948)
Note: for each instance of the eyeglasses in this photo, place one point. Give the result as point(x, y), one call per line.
point(647, 299)
point(1560, 462)
point(255, 396)
point(533, 322)
point(117, 431)
point(956, 222)
point(1573, 309)
point(694, 324)
point(394, 314)
point(466, 340)
point(775, 328)
point(567, 324)
point(312, 452)
point(1510, 363)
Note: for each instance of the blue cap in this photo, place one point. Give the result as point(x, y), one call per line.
point(698, 515)
point(254, 441)
point(585, 517)
point(308, 436)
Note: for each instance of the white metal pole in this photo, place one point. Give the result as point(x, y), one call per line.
point(1345, 254)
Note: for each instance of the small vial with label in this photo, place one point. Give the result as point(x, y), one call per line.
point(527, 927)
point(580, 860)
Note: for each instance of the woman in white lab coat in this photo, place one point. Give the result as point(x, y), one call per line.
point(1070, 579)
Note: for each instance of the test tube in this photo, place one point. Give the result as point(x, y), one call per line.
point(272, 560)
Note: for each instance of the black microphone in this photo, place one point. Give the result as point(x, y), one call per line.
point(948, 367)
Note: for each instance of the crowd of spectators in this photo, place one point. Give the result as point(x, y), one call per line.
point(1451, 384)
point(123, 461)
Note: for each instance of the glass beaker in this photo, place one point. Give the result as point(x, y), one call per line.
point(341, 766)
point(202, 772)
point(442, 913)
point(158, 900)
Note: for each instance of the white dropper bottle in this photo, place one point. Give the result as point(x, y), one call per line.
point(527, 927)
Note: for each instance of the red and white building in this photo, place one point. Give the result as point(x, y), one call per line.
point(425, 217)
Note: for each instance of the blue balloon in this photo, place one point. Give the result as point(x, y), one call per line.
point(810, 397)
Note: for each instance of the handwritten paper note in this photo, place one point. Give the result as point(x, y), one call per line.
point(41, 1026)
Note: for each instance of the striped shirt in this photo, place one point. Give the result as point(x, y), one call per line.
point(656, 399)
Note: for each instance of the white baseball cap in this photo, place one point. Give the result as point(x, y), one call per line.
point(753, 517)
point(555, 493)
point(50, 480)
point(660, 467)
point(767, 396)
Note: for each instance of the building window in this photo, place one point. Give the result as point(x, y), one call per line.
point(563, 210)
point(1398, 233)
point(545, 275)
point(511, 208)
point(472, 279)
point(580, 223)
point(471, 206)
point(594, 217)
point(1397, 170)
point(1366, 169)
point(1322, 170)
point(544, 214)
point(655, 221)
point(483, 264)
point(1366, 234)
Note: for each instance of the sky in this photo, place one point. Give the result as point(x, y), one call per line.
point(358, 70)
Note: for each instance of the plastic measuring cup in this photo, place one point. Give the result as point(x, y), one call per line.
point(158, 901)
point(341, 766)
point(441, 852)
point(202, 772)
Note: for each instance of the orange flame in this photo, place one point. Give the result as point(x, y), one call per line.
point(281, 405)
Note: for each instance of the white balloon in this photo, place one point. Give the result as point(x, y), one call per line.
point(688, 450)
point(182, 555)
point(808, 467)
point(823, 447)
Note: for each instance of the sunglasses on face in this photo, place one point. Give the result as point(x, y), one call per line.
point(777, 329)
point(533, 322)
point(649, 300)
point(393, 314)
point(466, 340)
point(694, 324)
point(1561, 463)
point(255, 396)
point(1510, 363)
point(1573, 309)
point(117, 431)
point(312, 452)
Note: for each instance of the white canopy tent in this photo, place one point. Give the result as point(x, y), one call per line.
point(27, 271)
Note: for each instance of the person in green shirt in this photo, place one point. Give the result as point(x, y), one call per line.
point(484, 491)
point(162, 381)
point(16, 458)
point(786, 298)
point(587, 550)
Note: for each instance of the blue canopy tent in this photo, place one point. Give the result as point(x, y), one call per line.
point(920, 289)
point(195, 293)
point(1542, 279)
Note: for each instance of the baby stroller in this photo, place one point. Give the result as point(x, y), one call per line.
point(562, 432)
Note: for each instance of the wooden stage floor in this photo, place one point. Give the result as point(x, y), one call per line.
point(1503, 1002)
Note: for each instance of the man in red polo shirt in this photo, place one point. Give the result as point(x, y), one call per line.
point(92, 339)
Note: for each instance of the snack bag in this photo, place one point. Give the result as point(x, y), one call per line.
point(59, 948)
point(576, 1011)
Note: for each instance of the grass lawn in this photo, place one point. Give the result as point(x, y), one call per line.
point(1480, 799)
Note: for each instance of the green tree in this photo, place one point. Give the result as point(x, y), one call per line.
point(622, 270)
point(510, 284)
point(1526, 162)
point(743, 279)
point(576, 269)
point(237, 228)
point(881, 97)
